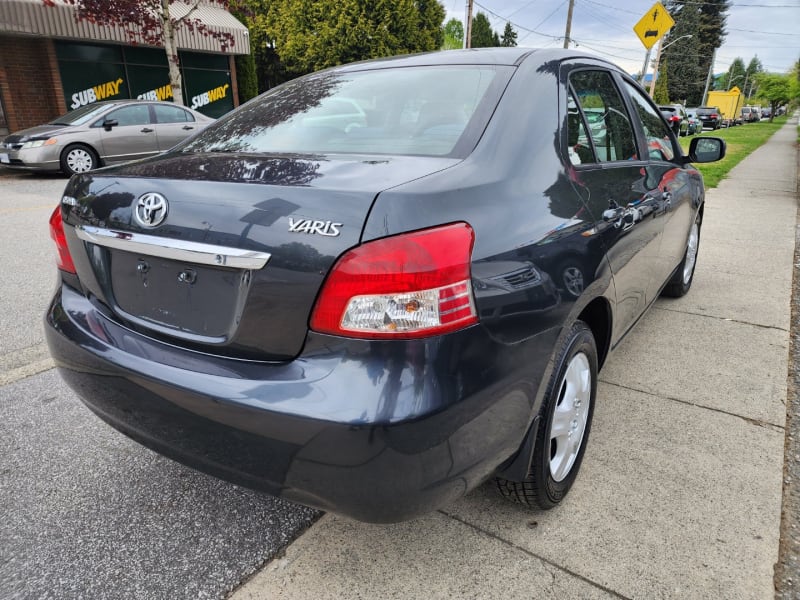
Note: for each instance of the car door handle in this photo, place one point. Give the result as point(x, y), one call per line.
point(187, 127)
point(147, 130)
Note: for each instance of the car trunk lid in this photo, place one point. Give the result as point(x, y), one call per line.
point(245, 243)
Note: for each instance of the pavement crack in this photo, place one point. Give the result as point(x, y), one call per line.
point(546, 561)
point(699, 314)
point(756, 422)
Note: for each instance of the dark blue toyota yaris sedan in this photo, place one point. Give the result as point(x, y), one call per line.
point(373, 288)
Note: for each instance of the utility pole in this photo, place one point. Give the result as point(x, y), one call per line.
point(468, 28)
point(645, 66)
point(655, 67)
point(569, 23)
point(708, 79)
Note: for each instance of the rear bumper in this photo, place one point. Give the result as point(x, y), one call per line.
point(378, 431)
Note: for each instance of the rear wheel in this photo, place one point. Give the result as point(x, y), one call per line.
point(682, 279)
point(565, 421)
point(77, 158)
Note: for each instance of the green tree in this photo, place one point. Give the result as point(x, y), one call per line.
point(713, 16)
point(735, 76)
point(509, 36)
point(686, 78)
point(775, 88)
point(453, 35)
point(482, 34)
point(308, 35)
point(794, 81)
point(754, 67)
point(246, 72)
point(661, 91)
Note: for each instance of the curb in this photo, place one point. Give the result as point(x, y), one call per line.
point(787, 569)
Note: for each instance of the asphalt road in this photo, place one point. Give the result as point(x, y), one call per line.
point(87, 513)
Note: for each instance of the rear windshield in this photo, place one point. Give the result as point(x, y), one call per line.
point(706, 111)
point(414, 110)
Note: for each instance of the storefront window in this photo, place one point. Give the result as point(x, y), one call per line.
point(131, 72)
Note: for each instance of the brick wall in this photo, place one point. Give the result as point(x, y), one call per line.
point(30, 83)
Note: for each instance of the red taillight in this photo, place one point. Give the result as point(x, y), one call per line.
point(406, 286)
point(64, 259)
point(714, 116)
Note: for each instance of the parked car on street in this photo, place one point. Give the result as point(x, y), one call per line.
point(710, 116)
point(676, 117)
point(99, 134)
point(695, 124)
point(750, 114)
point(374, 317)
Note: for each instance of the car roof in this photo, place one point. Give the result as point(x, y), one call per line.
point(475, 56)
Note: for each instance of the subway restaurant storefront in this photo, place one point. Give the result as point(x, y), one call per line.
point(51, 63)
point(92, 72)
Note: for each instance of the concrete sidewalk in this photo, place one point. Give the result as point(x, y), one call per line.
point(680, 491)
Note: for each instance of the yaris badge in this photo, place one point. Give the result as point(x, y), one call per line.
point(151, 210)
point(326, 228)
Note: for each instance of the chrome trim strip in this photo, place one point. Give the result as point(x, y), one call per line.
point(194, 252)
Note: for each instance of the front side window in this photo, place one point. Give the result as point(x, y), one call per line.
point(138, 114)
point(609, 124)
point(420, 111)
point(659, 142)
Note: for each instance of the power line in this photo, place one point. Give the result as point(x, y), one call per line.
point(517, 25)
point(558, 8)
point(761, 32)
point(601, 17)
point(611, 7)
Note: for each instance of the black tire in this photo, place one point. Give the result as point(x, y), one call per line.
point(543, 488)
point(78, 158)
point(681, 280)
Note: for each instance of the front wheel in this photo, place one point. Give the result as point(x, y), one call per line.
point(77, 158)
point(682, 279)
point(564, 424)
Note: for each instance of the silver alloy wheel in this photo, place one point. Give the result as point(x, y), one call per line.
point(573, 280)
point(80, 160)
point(691, 253)
point(570, 416)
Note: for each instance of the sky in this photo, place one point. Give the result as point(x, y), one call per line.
point(769, 29)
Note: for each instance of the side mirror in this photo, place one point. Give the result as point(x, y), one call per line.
point(109, 123)
point(706, 149)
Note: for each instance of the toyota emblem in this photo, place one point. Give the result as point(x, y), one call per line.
point(151, 209)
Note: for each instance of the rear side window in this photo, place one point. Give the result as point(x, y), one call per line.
point(171, 114)
point(611, 132)
point(420, 111)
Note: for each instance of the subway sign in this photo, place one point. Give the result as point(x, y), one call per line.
point(96, 72)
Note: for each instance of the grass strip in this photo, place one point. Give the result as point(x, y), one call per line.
point(741, 140)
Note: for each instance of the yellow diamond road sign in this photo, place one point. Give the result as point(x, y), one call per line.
point(653, 25)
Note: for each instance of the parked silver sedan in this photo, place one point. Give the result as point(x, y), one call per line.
point(101, 134)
